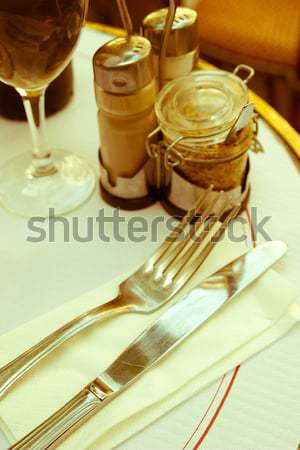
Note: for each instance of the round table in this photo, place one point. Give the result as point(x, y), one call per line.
point(37, 277)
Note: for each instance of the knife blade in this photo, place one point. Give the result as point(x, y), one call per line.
point(172, 327)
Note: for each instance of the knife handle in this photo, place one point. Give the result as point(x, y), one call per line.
point(15, 370)
point(66, 420)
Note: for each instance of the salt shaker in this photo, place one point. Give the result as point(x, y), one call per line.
point(183, 44)
point(125, 94)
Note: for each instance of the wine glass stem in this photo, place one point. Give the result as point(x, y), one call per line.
point(34, 104)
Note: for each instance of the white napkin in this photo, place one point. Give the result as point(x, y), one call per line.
point(255, 319)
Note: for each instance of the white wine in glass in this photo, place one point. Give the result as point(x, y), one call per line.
point(37, 39)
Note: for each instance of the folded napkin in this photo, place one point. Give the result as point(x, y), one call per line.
point(256, 318)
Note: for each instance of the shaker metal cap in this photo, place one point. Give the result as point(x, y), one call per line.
point(124, 65)
point(184, 36)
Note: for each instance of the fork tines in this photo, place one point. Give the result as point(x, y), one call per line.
point(187, 247)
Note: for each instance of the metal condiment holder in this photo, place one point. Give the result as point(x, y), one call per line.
point(159, 176)
point(166, 35)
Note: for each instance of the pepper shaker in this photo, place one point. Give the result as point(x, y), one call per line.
point(183, 45)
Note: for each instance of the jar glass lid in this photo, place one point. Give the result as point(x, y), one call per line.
point(205, 104)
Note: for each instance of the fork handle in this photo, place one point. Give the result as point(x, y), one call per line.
point(14, 370)
point(67, 419)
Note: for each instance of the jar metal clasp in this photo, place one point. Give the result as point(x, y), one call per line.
point(155, 146)
point(246, 69)
point(152, 143)
point(166, 157)
point(172, 157)
point(256, 146)
point(155, 149)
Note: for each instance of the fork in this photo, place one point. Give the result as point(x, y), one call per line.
point(154, 284)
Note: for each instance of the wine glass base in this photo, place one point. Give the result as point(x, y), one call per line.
point(29, 196)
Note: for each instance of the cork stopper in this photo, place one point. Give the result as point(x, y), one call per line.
point(184, 36)
point(124, 65)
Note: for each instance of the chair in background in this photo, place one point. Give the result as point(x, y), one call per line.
point(264, 34)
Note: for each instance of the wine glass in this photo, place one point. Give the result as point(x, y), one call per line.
point(37, 39)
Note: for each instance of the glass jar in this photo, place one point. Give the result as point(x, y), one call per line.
point(207, 126)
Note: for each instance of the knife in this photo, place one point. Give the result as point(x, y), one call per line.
point(172, 327)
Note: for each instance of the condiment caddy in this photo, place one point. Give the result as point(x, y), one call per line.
point(169, 132)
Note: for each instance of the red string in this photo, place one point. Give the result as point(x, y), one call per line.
point(206, 412)
point(218, 410)
point(251, 228)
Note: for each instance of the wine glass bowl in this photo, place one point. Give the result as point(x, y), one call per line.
point(37, 39)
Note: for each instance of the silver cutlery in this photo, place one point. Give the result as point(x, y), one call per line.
point(153, 285)
point(174, 325)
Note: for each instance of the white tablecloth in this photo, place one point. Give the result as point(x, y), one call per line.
point(262, 410)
